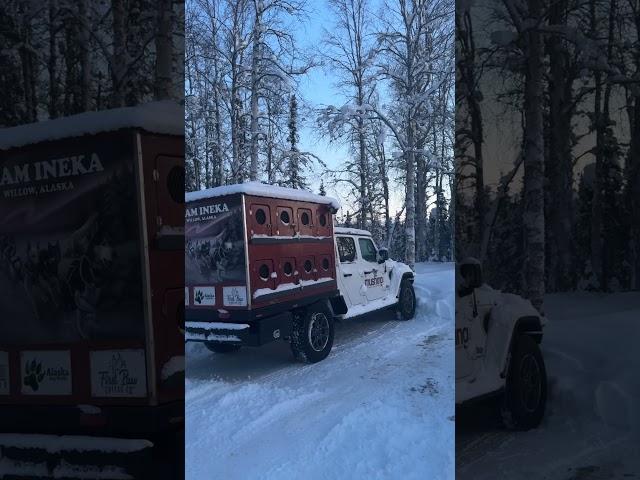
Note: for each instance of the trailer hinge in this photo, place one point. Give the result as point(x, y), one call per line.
point(159, 220)
point(156, 175)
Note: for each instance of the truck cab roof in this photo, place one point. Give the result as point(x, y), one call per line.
point(351, 231)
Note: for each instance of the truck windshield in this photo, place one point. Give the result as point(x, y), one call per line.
point(367, 250)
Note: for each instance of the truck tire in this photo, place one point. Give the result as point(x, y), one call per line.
point(406, 300)
point(312, 334)
point(222, 347)
point(526, 388)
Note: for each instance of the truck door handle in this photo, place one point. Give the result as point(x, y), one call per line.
point(347, 274)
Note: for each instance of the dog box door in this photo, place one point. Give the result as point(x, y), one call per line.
point(259, 219)
point(169, 180)
point(323, 222)
point(305, 221)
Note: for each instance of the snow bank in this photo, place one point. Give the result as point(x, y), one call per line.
point(263, 190)
point(173, 366)
point(164, 117)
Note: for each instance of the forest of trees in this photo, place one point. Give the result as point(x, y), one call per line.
point(570, 71)
point(393, 68)
point(61, 57)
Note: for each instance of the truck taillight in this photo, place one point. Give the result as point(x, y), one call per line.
point(180, 317)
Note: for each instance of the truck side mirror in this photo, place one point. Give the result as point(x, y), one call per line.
point(471, 274)
point(383, 255)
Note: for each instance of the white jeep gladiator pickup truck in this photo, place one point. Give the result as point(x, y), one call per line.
point(497, 349)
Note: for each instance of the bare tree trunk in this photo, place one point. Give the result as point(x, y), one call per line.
point(421, 204)
point(410, 247)
point(596, 200)
point(85, 56)
point(119, 63)
point(467, 74)
point(164, 50)
point(384, 177)
point(54, 93)
point(559, 165)
point(633, 182)
point(534, 222)
point(362, 162)
point(632, 171)
point(255, 87)
point(28, 68)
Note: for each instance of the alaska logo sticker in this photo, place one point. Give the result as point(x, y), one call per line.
point(204, 295)
point(46, 372)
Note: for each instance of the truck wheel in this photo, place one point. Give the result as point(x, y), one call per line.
point(312, 334)
point(407, 300)
point(222, 347)
point(526, 389)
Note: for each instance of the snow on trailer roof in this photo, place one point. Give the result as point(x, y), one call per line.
point(263, 190)
point(351, 231)
point(164, 117)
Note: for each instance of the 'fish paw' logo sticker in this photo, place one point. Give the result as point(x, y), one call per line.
point(33, 374)
point(199, 296)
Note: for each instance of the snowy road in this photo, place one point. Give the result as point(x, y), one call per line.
point(380, 406)
point(592, 425)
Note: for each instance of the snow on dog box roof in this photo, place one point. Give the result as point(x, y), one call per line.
point(263, 190)
point(165, 117)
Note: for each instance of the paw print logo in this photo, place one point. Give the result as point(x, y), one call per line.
point(199, 296)
point(33, 374)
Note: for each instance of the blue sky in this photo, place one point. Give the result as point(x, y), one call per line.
point(318, 88)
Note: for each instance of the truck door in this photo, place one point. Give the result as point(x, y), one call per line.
point(470, 334)
point(349, 270)
point(464, 317)
point(372, 274)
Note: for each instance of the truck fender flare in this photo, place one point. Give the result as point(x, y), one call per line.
point(337, 305)
point(407, 276)
point(324, 302)
point(527, 325)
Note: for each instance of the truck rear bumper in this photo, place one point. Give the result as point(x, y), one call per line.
point(251, 334)
point(142, 420)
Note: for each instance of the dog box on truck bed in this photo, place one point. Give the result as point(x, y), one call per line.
point(254, 253)
point(91, 272)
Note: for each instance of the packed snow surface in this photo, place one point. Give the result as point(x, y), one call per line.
point(164, 117)
point(591, 429)
point(263, 190)
point(380, 406)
